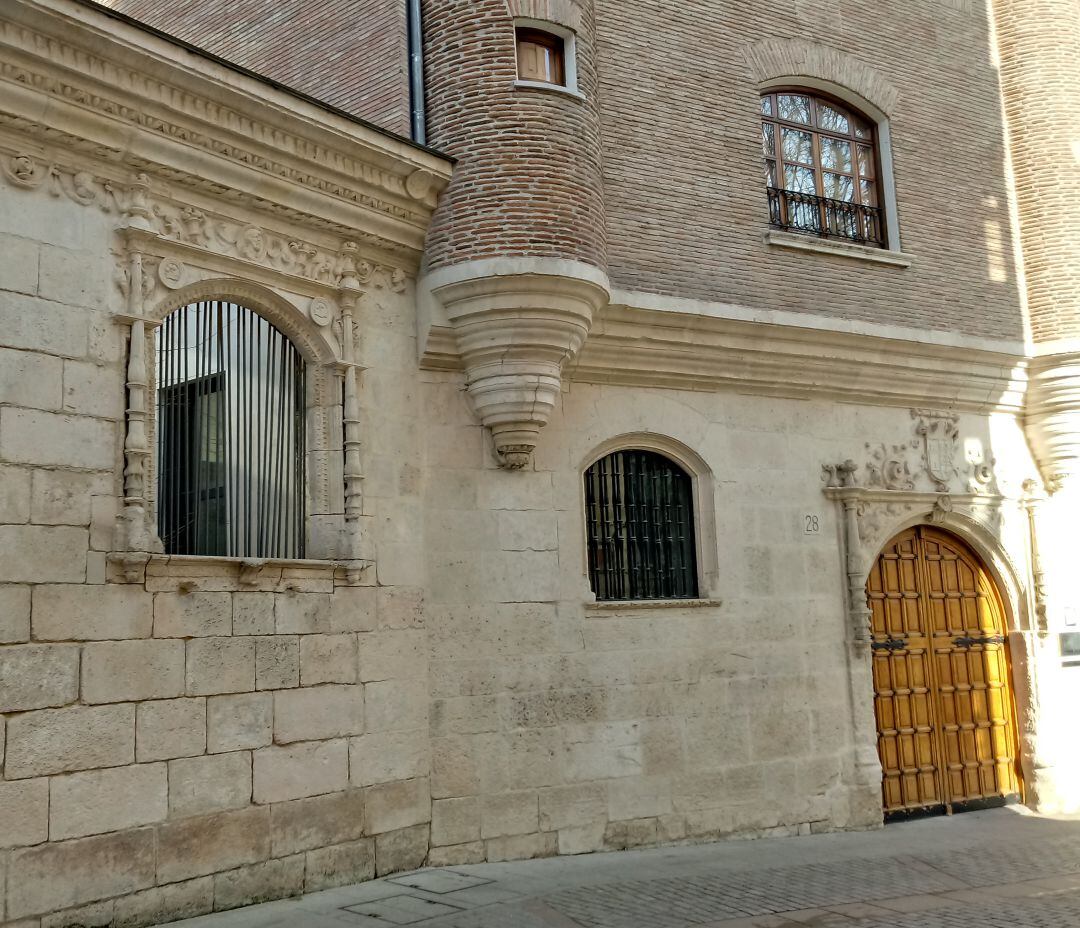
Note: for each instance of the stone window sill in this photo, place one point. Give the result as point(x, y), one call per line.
point(550, 88)
point(647, 605)
point(207, 572)
point(826, 246)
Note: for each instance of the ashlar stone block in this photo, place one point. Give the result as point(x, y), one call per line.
point(192, 615)
point(165, 903)
point(62, 497)
point(401, 850)
point(391, 806)
point(14, 495)
point(455, 821)
point(76, 613)
point(306, 824)
point(118, 671)
point(380, 757)
point(43, 553)
point(239, 723)
point(220, 665)
point(318, 712)
point(302, 613)
point(272, 879)
point(93, 389)
point(339, 865)
point(75, 738)
point(400, 654)
point(64, 874)
point(300, 770)
point(253, 613)
point(509, 814)
point(206, 844)
point(31, 436)
point(327, 659)
point(213, 783)
point(30, 379)
point(100, 801)
point(38, 676)
point(170, 728)
point(396, 705)
point(14, 611)
point(353, 609)
point(24, 812)
point(277, 662)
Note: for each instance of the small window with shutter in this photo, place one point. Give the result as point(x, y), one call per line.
point(541, 57)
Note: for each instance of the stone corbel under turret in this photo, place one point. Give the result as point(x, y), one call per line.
point(515, 323)
point(1053, 417)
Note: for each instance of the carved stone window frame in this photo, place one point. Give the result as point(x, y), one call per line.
point(179, 254)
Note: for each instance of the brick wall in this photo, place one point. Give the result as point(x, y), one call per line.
point(1039, 44)
point(683, 168)
point(352, 54)
point(528, 178)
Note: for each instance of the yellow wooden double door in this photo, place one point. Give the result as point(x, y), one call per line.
point(945, 713)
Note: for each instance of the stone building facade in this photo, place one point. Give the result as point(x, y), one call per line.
point(569, 273)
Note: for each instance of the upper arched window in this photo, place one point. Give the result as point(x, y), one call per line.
point(821, 168)
point(639, 513)
point(230, 434)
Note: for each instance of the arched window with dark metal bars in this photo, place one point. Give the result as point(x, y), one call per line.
point(639, 512)
point(230, 421)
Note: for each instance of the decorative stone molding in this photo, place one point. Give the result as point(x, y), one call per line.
point(516, 322)
point(773, 59)
point(1053, 417)
point(125, 98)
point(919, 480)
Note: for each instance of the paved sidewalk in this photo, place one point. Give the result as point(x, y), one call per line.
point(999, 869)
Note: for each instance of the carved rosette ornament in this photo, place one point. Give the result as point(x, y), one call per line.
point(517, 322)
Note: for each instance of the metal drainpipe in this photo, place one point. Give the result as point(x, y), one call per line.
point(417, 103)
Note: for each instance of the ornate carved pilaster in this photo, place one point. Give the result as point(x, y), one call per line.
point(1053, 417)
point(134, 531)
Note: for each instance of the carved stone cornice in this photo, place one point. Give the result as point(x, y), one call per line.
point(120, 94)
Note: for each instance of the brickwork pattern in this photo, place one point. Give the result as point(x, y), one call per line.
point(351, 54)
point(528, 178)
point(683, 165)
point(1039, 44)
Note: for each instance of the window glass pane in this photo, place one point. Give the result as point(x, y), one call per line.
point(767, 106)
point(862, 130)
point(801, 180)
point(797, 146)
point(540, 57)
point(770, 173)
point(832, 119)
point(794, 107)
point(768, 139)
point(869, 192)
point(835, 154)
point(838, 187)
point(230, 434)
point(866, 161)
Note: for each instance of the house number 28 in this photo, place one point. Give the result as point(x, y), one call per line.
point(811, 525)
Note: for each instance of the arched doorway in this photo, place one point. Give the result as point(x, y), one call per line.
point(947, 733)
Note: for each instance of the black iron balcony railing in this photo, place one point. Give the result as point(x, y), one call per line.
point(811, 215)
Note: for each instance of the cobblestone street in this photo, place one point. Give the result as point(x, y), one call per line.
point(999, 869)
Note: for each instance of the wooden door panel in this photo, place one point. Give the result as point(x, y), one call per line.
point(946, 733)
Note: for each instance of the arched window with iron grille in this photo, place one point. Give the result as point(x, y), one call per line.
point(230, 424)
point(639, 513)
